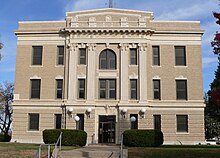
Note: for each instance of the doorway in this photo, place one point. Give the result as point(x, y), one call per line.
point(107, 129)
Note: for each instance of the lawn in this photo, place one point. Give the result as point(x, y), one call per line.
point(20, 150)
point(175, 152)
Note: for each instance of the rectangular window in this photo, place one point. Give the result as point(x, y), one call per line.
point(180, 55)
point(60, 55)
point(33, 121)
point(133, 86)
point(82, 56)
point(182, 123)
point(181, 89)
point(134, 121)
point(133, 56)
point(82, 88)
point(156, 55)
point(107, 89)
point(157, 122)
point(59, 94)
point(35, 88)
point(58, 119)
point(37, 55)
point(156, 89)
point(80, 123)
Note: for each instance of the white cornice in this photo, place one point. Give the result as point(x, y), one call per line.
point(63, 21)
point(173, 21)
point(109, 9)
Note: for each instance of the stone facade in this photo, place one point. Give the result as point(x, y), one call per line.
point(116, 30)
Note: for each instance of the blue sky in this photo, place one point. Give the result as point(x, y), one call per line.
point(12, 11)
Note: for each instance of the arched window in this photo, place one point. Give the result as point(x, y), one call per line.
point(107, 59)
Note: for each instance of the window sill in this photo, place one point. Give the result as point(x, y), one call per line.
point(180, 133)
point(59, 66)
point(33, 130)
point(37, 66)
point(156, 66)
point(133, 65)
point(180, 66)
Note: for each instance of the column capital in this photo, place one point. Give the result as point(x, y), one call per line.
point(124, 46)
point(142, 46)
point(91, 46)
point(73, 46)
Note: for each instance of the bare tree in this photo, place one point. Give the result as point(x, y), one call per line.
point(6, 98)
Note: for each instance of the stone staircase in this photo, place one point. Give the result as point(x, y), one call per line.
point(94, 151)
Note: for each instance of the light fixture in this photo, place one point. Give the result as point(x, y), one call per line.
point(142, 112)
point(88, 112)
point(70, 111)
point(123, 112)
point(133, 119)
point(76, 118)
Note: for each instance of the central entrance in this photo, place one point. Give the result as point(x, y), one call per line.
point(107, 129)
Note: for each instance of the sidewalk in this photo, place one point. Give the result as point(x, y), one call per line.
point(96, 151)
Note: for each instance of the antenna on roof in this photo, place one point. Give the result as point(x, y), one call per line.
point(110, 4)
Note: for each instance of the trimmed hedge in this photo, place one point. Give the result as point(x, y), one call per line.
point(69, 137)
point(142, 138)
point(4, 139)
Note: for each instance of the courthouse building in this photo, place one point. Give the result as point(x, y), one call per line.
point(107, 66)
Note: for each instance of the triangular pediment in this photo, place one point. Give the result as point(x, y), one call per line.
point(108, 17)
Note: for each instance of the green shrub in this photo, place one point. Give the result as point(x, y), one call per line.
point(69, 137)
point(142, 138)
point(4, 139)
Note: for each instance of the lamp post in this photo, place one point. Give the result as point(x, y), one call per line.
point(63, 106)
point(77, 121)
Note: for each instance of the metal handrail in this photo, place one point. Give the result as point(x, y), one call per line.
point(121, 151)
point(54, 153)
point(59, 141)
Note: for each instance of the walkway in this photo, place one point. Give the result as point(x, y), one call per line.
point(94, 151)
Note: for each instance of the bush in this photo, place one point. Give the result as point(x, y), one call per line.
point(142, 138)
point(4, 139)
point(69, 137)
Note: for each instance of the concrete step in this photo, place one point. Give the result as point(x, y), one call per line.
point(93, 152)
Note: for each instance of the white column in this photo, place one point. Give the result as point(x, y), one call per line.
point(124, 53)
point(143, 72)
point(91, 76)
point(72, 82)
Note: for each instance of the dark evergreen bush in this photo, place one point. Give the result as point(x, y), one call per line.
point(69, 137)
point(142, 138)
point(4, 138)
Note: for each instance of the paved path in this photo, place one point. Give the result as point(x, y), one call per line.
point(94, 151)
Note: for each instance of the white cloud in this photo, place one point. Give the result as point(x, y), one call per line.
point(194, 11)
point(85, 4)
point(209, 60)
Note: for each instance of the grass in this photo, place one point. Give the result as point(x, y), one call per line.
point(21, 150)
point(174, 151)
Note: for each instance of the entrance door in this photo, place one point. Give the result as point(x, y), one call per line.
point(106, 129)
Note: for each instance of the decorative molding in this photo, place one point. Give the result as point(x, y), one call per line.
point(92, 22)
point(81, 75)
point(181, 78)
point(82, 45)
point(35, 77)
point(108, 18)
point(133, 76)
point(124, 22)
point(59, 77)
point(156, 77)
point(142, 21)
point(74, 22)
